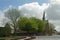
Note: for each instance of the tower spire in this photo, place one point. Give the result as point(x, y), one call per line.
point(44, 16)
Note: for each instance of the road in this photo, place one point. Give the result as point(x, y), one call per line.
point(47, 38)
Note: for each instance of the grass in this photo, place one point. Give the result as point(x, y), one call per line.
point(13, 37)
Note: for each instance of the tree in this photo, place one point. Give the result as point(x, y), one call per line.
point(51, 28)
point(27, 25)
point(7, 29)
point(2, 31)
point(13, 14)
point(31, 25)
point(40, 23)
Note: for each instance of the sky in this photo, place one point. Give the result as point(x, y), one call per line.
point(5, 3)
point(33, 8)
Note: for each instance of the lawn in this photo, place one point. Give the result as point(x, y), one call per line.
point(12, 37)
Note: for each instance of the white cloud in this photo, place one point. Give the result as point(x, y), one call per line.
point(33, 9)
point(55, 1)
point(53, 12)
point(1, 18)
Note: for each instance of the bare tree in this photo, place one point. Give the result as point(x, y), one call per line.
point(13, 14)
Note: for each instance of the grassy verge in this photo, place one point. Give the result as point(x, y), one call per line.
point(13, 37)
point(16, 37)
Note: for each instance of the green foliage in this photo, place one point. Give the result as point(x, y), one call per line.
point(2, 31)
point(7, 29)
point(31, 25)
point(51, 27)
point(27, 25)
point(40, 23)
point(22, 22)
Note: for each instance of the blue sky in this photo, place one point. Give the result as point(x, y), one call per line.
point(5, 3)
